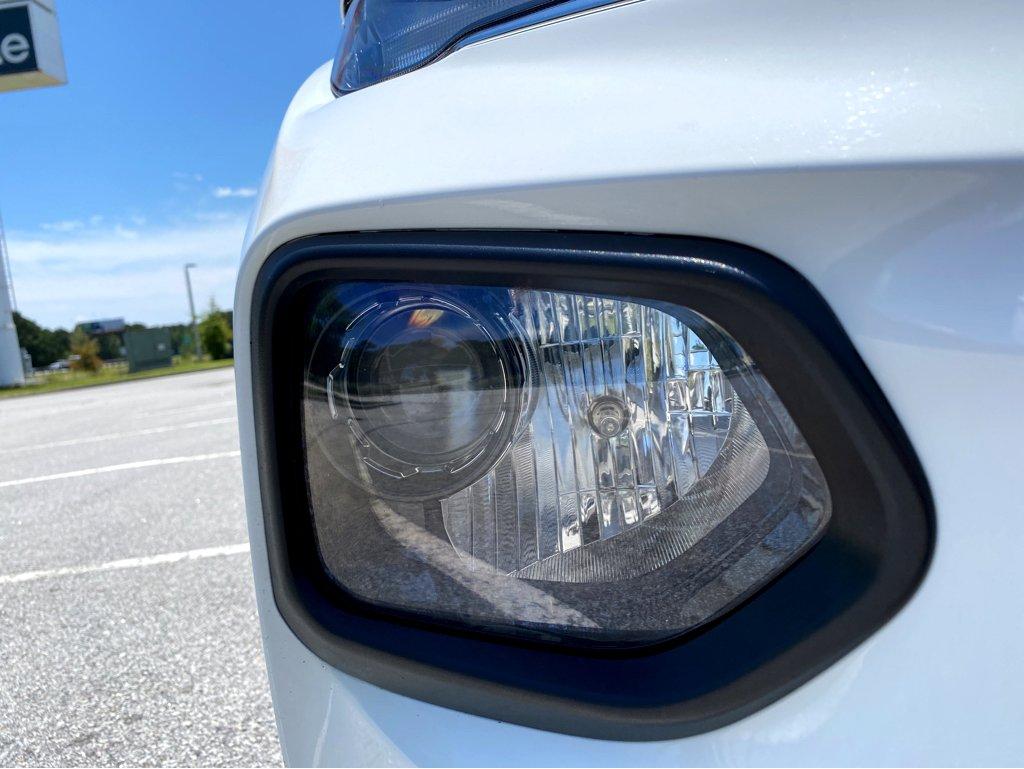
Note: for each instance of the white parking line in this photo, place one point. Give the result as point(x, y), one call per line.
point(118, 468)
point(127, 563)
point(118, 436)
point(187, 410)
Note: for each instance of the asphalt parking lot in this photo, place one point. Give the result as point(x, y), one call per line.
point(128, 627)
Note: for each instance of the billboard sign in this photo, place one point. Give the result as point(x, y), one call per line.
point(108, 326)
point(30, 47)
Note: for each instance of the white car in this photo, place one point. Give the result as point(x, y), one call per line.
point(642, 383)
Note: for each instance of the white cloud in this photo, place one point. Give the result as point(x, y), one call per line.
point(123, 232)
point(216, 216)
point(235, 192)
point(68, 225)
point(61, 277)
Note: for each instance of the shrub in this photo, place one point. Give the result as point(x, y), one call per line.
point(215, 333)
point(85, 352)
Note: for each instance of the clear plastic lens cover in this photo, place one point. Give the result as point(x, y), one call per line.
point(554, 464)
point(384, 38)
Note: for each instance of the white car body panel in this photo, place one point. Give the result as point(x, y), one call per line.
point(874, 147)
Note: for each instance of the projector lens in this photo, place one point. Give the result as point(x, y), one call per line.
point(557, 465)
point(429, 390)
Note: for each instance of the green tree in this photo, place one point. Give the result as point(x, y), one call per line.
point(215, 333)
point(111, 346)
point(45, 346)
point(85, 352)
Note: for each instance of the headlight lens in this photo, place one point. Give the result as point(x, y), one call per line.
point(386, 38)
point(537, 462)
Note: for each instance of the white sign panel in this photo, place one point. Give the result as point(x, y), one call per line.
point(30, 49)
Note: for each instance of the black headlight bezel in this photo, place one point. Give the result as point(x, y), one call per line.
point(869, 561)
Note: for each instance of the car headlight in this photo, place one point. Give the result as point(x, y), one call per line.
point(546, 461)
point(386, 38)
point(625, 487)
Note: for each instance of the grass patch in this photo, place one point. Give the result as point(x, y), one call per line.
point(73, 380)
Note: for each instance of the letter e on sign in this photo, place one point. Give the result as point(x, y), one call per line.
point(14, 49)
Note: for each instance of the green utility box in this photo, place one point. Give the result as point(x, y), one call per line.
point(148, 349)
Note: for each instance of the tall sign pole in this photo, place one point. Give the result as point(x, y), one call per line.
point(12, 371)
point(30, 57)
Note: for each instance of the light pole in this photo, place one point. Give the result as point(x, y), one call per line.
point(192, 311)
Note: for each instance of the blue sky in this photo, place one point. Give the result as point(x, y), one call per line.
point(151, 155)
